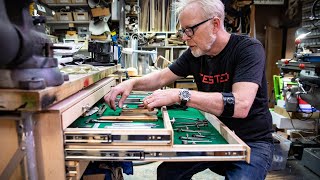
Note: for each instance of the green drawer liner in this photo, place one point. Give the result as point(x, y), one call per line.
point(178, 114)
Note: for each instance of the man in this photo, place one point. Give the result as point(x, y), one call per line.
point(229, 73)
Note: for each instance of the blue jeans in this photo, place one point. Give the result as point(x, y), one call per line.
point(260, 161)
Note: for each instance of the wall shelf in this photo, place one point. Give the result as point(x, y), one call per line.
point(67, 22)
point(61, 5)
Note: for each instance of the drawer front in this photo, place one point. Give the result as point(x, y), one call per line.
point(71, 114)
point(86, 133)
point(195, 137)
point(145, 153)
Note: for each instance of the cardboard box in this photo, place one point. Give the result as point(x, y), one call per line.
point(79, 1)
point(64, 16)
point(102, 37)
point(96, 12)
point(295, 115)
point(80, 16)
point(51, 18)
point(94, 177)
point(63, 1)
point(49, 1)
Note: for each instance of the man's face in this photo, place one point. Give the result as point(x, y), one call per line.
point(197, 30)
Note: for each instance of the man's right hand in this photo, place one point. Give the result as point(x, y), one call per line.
point(122, 89)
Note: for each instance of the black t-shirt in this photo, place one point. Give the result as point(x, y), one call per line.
point(242, 60)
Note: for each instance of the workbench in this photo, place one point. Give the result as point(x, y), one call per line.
point(26, 117)
point(64, 142)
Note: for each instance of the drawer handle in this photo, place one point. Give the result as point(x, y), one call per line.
point(85, 108)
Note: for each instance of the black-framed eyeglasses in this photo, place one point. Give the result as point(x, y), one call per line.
point(190, 30)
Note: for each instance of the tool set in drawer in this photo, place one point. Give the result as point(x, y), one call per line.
point(167, 134)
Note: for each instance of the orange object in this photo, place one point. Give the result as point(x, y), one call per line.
point(301, 66)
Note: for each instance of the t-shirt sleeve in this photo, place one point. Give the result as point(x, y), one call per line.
point(181, 67)
point(251, 64)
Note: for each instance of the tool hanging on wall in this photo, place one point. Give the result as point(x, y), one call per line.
point(98, 3)
point(237, 18)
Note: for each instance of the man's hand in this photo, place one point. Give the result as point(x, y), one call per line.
point(161, 98)
point(122, 89)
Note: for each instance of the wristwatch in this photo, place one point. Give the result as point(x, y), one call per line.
point(184, 96)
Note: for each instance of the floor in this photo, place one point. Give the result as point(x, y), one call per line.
point(294, 171)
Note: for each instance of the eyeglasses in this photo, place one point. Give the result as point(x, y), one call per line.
point(190, 30)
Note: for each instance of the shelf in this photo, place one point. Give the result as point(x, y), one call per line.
point(314, 46)
point(67, 22)
point(60, 5)
point(312, 37)
point(163, 47)
point(157, 32)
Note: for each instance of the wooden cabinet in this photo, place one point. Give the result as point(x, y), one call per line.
point(50, 110)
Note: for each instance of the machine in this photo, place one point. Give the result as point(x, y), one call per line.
point(26, 53)
point(101, 53)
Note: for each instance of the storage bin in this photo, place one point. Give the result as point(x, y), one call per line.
point(280, 155)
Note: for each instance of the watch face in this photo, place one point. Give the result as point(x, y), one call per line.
point(230, 100)
point(184, 95)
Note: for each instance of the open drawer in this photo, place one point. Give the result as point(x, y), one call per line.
point(144, 128)
point(208, 140)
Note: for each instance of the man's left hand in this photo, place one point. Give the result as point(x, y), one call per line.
point(161, 98)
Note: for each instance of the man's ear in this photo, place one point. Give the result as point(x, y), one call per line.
point(216, 24)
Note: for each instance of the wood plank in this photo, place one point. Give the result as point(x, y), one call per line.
point(152, 16)
point(252, 32)
point(290, 45)
point(163, 16)
point(229, 135)
point(36, 100)
point(273, 46)
point(9, 144)
point(142, 117)
point(72, 107)
point(167, 122)
point(49, 146)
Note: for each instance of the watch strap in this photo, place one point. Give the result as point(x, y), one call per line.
point(228, 103)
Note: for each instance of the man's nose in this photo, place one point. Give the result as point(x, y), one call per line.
point(185, 37)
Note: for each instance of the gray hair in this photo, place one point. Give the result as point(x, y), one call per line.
point(211, 8)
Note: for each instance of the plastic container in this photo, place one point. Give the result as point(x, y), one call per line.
point(280, 155)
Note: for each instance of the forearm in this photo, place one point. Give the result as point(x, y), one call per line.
point(210, 102)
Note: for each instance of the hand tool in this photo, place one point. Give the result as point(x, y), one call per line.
point(96, 125)
point(196, 119)
point(138, 111)
point(135, 124)
point(90, 120)
point(91, 111)
point(190, 138)
point(131, 125)
point(130, 101)
point(128, 127)
point(192, 131)
point(131, 118)
point(193, 142)
point(202, 136)
point(102, 109)
point(187, 123)
point(192, 125)
point(173, 120)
